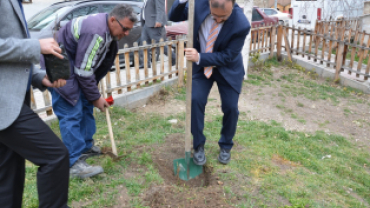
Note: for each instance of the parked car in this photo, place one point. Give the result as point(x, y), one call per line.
point(283, 17)
point(41, 24)
point(259, 18)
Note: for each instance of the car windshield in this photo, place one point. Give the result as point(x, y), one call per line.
point(43, 18)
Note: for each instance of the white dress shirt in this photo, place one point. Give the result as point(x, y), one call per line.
point(205, 28)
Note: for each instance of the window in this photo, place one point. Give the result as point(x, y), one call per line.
point(256, 16)
point(267, 11)
point(83, 11)
point(273, 12)
point(46, 16)
point(107, 8)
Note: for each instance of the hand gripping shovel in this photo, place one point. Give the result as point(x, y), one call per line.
point(185, 168)
point(106, 151)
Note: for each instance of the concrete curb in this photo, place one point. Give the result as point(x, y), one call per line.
point(139, 97)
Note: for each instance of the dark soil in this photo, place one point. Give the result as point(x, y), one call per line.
point(202, 191)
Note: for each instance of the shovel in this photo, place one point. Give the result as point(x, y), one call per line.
point(107, 151)
point(185, 168)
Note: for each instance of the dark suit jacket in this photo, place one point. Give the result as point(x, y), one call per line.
point(226, 55)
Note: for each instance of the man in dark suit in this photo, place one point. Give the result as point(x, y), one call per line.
point(23, 135)
point(220, 29)
point(153, 20)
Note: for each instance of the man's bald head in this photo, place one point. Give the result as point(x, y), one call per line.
point(221, 9)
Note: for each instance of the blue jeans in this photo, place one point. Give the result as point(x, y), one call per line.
point(77, 124)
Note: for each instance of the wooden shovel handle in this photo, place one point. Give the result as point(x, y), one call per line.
point(189, 65)
point(114, 148)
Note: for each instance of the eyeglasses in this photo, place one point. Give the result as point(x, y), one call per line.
point(125, 29)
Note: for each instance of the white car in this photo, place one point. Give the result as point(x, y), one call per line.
point(283, 17)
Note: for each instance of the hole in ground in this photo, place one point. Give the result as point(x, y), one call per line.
point(201, 192)
point(172, 149)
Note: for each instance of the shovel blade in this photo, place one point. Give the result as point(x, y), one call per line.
point(186, 171)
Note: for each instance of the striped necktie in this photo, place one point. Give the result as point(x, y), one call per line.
point(212, 36)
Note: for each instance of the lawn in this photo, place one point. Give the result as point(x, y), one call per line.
point(301, 142)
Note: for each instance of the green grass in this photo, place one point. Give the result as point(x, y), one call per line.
point(180, 94)
point(270, 166)
point(308, 180)
point(130, 130)
point(300, 82)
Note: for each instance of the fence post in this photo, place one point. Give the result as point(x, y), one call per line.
point(330, 49)
point(107, 78)
point(298, 40)
point(345, 50)
point(145, 52)
point(339, 57)
point(367, 69)
point(287, 46)
point(154, 61)
point(161, 55)
point(136, 64)
point(118, 73)
point(169, 55)
point(317, 41)
point(33, 103)
point(310, 44)
point(47, 99)
point(304, 42)
point(279, 42)
point(128, 68)
point(272, 40)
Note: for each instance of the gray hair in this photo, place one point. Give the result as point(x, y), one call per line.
point(219, 3)
point(122, 11)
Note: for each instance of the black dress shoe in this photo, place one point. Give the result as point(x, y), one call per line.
point(199, 158)
point(224, 156)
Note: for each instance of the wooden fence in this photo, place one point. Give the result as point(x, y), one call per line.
point(333, 49)
point(127, 75)
point(328, 45)
point(326, 26)
point(139, 78)
point(263, 39)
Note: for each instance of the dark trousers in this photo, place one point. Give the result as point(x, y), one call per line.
point(201, 86)
point(31, 139)
point(154, 33)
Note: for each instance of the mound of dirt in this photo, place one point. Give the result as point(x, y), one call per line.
point(202, 191)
